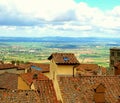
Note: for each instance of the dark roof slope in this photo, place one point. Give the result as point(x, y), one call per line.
point(64, 58)
point(46, 91)
point(7, 66)
point(19, 96)
point(8, 80)
point(81, 89)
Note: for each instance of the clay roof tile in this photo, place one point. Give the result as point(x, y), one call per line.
point(46, 91)
point(29, 77)
point(8, 80)
point(64, 58)
point(83, 88)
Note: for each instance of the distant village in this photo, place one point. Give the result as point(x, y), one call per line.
point(63, 80)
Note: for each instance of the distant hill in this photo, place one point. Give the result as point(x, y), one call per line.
point(56, 39)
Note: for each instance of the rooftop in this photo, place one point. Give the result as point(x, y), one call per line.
point(81, 89)
point(46, 91)
point(19, 96)
point(90, 69)
point(23, 66)
point(29, 77)
point(41, 67)
point(64, 58)
point(7, 66)
point(8, 80)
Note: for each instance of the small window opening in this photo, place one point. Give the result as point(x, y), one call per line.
point(35, 76)
point(26, 94)
point(66, 59)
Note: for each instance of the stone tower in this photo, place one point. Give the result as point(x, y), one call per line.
point(114, 56)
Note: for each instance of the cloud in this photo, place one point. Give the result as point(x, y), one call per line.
point(47, 9)
point(56, 17)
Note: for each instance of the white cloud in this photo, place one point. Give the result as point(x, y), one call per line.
point(56, 17)
point(43, 9)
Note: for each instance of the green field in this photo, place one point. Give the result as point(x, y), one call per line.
point(87, 50)
point(39, 51)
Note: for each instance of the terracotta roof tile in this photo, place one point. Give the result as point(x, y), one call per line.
point(19, 96)
point(29, 77)
point(81, 89)
point(41, 67)
point(7, 66)
point(90, 69)
point(8, 80)
point(64, 58)
point(23, 66)
point(46, 91)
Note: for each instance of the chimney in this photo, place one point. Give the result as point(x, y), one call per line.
point(99, 95)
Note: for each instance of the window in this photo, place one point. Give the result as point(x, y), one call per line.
point(26, 94)
point(37, 68)
point(112, 53)
point(35, 76)
point(65, 59)
point(112, 62)
point(118, 53)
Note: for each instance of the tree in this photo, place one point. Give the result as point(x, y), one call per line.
point(13, 62)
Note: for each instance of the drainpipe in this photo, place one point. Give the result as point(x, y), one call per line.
point(74, 69)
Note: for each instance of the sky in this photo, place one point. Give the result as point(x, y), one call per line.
point(67, 18)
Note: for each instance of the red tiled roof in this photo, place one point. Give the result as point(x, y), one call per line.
point(8, 80)
point(7, 66)
point(28, 77)
point(46, 91)
point(81, 89)
point(23, 66)
point(64, 58)
point(19, 96)
point(44, 67)
point(90, 69)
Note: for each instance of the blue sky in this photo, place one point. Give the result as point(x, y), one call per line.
point(101, 4)
point(72, 18)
